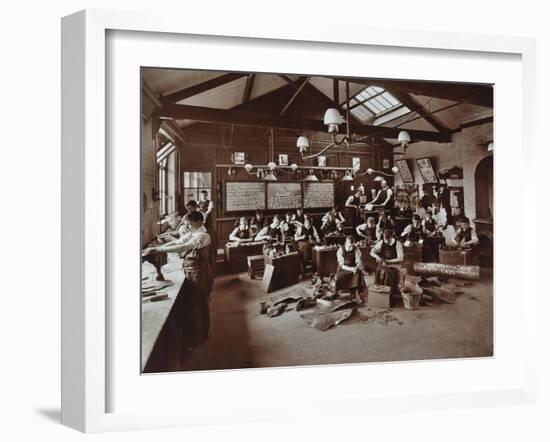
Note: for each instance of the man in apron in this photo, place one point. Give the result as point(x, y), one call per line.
point(349, 275)
point(465, 236)
point(414, 232)
point(194, 249)
point(388, 253)
point(306, 236)
point(384, 197)
point(242, 232)
point(368, 231)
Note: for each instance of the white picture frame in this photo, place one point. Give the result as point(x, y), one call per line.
point(90, 175)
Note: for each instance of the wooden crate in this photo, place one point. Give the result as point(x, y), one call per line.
point(457, 257)
point(324, 260)
point(286, 270)
point(256, 265)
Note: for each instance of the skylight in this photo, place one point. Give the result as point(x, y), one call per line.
point(372, 102)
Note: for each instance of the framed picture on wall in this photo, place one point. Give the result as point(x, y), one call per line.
point(356, 163)
point(239, 158)
point(426, 170)
point(283, 159)
point(404, 171)
point(386, 163)
point(322, 161)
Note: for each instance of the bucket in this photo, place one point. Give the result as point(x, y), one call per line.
point(411, 294)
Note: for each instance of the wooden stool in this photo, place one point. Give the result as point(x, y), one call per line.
point(256, 264)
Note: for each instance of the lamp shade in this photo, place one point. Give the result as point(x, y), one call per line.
point(394, 169)
point(311, 177)
point(332, 116)
point(270, 177)
point(378, 178)
point(347, 177)
point(302, 142)
point(271, 166)
point(403, 137)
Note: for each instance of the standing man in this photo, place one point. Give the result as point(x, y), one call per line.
point(354, 200)
point(384, 197)
point(199, 275)
point(206, 206)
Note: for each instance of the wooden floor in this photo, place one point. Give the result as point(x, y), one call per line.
point(243, 338)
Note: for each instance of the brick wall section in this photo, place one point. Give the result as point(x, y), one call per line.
point(466, 150)
point(473, 143)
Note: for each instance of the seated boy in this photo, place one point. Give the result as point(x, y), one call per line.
point(388, 252)
point(368, 230)
point(465, 236)
point(349, 275)
point(414, 232)
point(242, 232)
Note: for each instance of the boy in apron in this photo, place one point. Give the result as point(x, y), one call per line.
point(349, 275)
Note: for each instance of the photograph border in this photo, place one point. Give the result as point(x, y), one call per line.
point(85, 201)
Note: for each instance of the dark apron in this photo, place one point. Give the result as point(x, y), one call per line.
point(195, 291)
point(388, 274)
point(305, 245)
point(349, 280)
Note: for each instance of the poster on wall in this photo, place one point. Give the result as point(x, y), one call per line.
point(404, 171)
point(426, 170)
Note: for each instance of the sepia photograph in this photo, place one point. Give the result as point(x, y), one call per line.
point(302, 220)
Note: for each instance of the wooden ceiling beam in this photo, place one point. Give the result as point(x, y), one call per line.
point(248, 88)
point(201, 87)
point(298, 90)
point(243, 118)
point(417, 107)
point(476, 94)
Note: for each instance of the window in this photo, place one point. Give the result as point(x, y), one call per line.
point(194, 183)
point(372, 102)
point(167, 185)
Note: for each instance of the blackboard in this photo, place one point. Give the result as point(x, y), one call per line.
point(284, 195)
point(317, 195)
point(244, 196)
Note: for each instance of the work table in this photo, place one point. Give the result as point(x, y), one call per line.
point(154, 315)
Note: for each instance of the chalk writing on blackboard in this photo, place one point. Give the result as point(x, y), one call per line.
point(242, 196)
point(318, 195)
point(284, 195)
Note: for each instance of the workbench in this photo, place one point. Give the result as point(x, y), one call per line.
point(236, 255)
point(286, 270)
point(161, 323)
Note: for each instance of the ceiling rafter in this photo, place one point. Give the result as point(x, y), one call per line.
point(243, 118)
point(417, 107)
point(476, 94)
point(247, 93)
point(201, 87)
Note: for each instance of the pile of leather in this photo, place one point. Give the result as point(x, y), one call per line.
point(329, 309)
point(441, 290)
